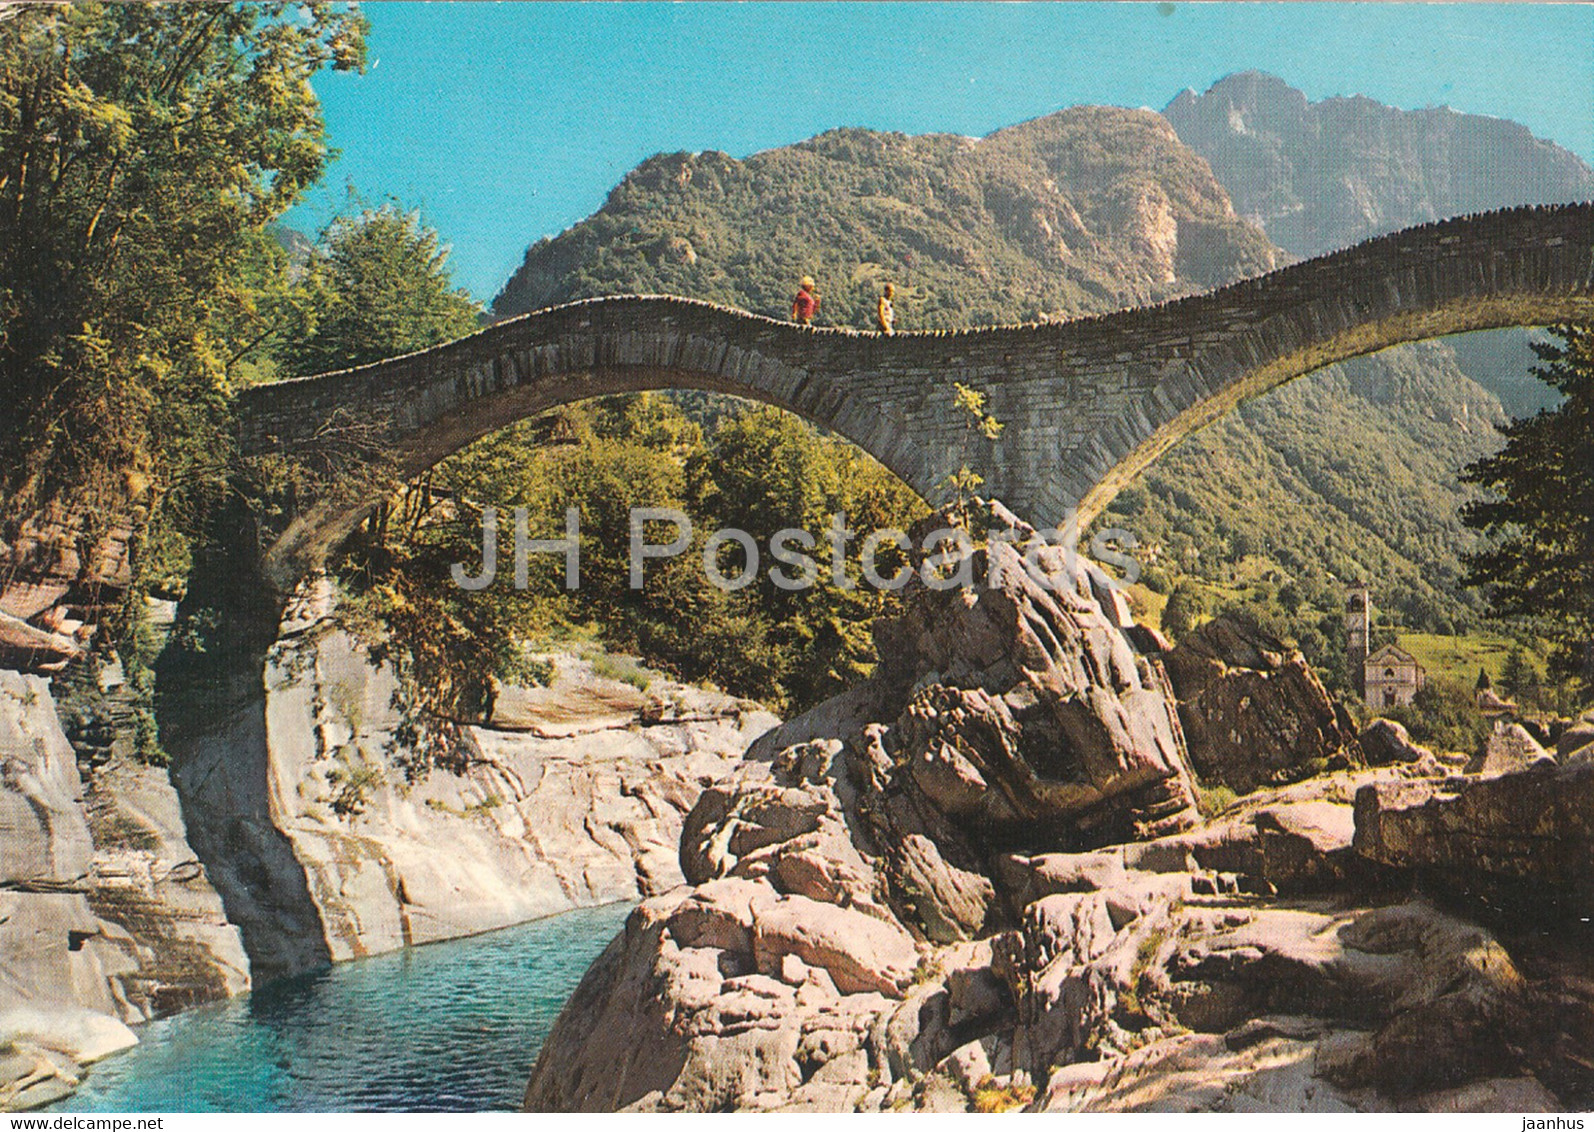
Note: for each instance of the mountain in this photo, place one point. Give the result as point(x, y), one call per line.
point(1349, 472)
point(1090, 209)
point(1318, 176)
point(1345, 474)
point(1323, 175)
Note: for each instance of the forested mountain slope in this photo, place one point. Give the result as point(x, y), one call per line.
point(1347, 473)
point(1351, 471)
point(1324, 175)
point(1090, 209)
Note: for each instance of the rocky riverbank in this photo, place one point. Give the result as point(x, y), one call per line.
point(301, 831)
point(328, 842)
point(107, 917)
point(980, 882)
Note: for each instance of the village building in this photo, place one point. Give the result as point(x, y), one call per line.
point(1392, 677)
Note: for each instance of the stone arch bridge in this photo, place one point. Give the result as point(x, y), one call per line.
point(1087, 403)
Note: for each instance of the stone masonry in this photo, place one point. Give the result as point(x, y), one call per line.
point(1088, 403)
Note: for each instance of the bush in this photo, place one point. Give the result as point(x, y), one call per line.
point(1443, 715)
point(355, 778)
point(1186, 605)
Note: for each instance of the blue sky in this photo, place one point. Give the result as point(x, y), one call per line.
point(507, 122)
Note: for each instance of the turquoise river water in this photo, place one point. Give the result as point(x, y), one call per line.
point(450, 1027)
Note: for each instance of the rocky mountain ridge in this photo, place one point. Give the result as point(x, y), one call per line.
point(1319, 176)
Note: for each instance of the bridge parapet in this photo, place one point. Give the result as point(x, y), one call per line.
point(1088, 403)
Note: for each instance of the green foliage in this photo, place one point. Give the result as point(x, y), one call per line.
point(1186, 606)
point(376, 286)
point(1346, 474)
point(1443, 715)
point(989, 1096)
point(1213, 800)
point(964, 482)
point(1517, 676)
point(1540, 511)
point(143, 149)
point(761, 470)
point(623, 669)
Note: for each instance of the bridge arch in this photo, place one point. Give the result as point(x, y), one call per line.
point(1087, 404)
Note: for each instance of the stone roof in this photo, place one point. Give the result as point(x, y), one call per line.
point(1391, 654)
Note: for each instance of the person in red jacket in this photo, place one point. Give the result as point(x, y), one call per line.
point(806, 304)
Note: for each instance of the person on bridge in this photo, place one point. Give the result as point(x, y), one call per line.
point(806, 304)
point(884, 314)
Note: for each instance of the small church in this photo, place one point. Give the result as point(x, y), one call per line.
point(1390, 677)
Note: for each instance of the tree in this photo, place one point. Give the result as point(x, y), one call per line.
point(766, 471)
point(141, 146)
point(377, 287)
point(1443, 715)
point(964, 482)
point(1540, 516)
point(1517, 675)
point(1185, 607)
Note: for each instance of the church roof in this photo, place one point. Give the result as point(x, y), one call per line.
point(1391, 654)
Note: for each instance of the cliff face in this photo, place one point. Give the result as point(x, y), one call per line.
point(303, 837)
point(1324, 175)
point(1318, 176)
point(107, 917)
point(876, 919)
point(329, 844)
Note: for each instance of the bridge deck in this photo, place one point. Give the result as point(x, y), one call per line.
point(1088, 403)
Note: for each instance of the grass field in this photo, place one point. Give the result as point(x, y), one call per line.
point(1459, 658)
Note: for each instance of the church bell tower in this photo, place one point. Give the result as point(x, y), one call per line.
point(1358, 624)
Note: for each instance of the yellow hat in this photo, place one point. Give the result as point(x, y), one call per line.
point(807, 281)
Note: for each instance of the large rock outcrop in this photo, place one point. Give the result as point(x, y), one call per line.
point(1163, 974)
point(106, 916)
point(1519, 843)
point(1018, 711)
point(331, 840)
point(1253, 710)
point(861, 837)
point(58, 577)
point(946, 890)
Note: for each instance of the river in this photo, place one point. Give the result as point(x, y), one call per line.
point(450, 1027)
